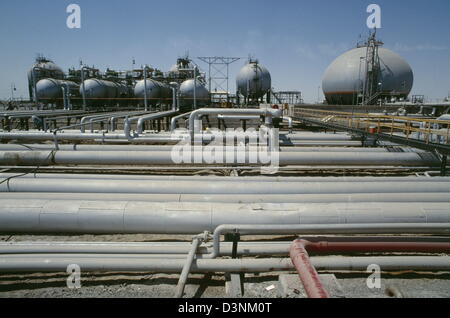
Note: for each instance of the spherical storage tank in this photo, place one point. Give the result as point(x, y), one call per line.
point(253, 80)
point(101, 92)
point(187, 93)
point(51, 90)
point(346, 76)
point(43, 68)
point(156, 91)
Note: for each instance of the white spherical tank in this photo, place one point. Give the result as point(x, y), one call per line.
point(346, 76)
point(253, 80)
point(156, 91)
point(187, 93)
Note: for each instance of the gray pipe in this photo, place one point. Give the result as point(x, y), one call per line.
point(237, 198)
point(134, 217)
point(195, 115)
point(183, 248)
point(81, 147)
point(275, 179)
point(143, 119)
point(260, 229)
point(45, 158)
point(174, 120)
point(203, 188)
point(162, 186)
point(47, 263)
point(187, 268)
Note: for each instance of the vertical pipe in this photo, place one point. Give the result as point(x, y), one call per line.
point(145, 89)
point(64, 96)
point(195, 87)
point(83, 89)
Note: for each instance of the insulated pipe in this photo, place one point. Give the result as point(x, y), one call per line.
point(131, 217)
point(48, 263)
point(44, 158)
point(87, 136)
point(19, 184)
point(74, 135)
point(82, 147)
point(236, 198)
point(161, 186)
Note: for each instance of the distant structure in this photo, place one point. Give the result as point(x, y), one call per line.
point(253, 82)
point(43, 68)
point(367, 75)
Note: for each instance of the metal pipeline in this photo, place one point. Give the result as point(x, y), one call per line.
point(236, 198)
point(174, 120)
point(246, 248)
point(134, 217)
point(111, 263)
point(203, 187)
point(293, 229)
point(195, 115)
point(187, 267)
point(81, 147)
point(306, 271)
point(44, 158)
point(143, 119)
point(215, 179)
point(309, 276)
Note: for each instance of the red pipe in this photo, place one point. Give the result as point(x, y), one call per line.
point(306, 271)
point(310, 277)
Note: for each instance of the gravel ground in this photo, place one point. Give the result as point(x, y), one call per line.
point(145, 285)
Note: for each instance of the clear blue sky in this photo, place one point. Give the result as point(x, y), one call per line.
point(295, 39)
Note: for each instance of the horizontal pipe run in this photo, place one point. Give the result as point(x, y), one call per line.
point(235, 198)
point(20, 184)
point(75, 147)
point(45, 158)
point(47, 263)
point(219, 179)
point(266, 229)
point(133, 217)
point(182, 248)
